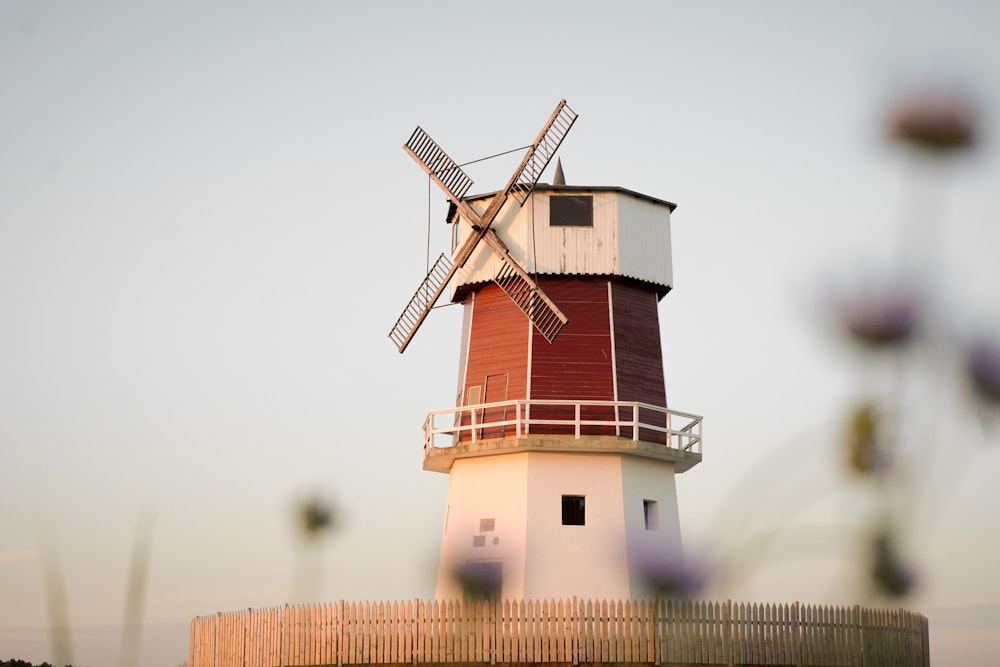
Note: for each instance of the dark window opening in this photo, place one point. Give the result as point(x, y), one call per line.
point(571, 211)
point(573, 511)
point(651, 514)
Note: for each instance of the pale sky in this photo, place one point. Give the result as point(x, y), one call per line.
point(208, 226)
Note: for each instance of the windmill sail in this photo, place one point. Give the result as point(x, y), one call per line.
point(530, 298)
point(542, 150)
point(514, 280)
point(535, 160)
point(445, 172)
point(525, 292)
point(421, 302)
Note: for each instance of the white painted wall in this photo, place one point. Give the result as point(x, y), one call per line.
point(586, 561)
point(481, 488)
point(630, 238)
point(656, 551)
point(644, 249)
point(585, 250)
point(541, 557)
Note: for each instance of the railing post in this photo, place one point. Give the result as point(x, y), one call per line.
point(635, 422)
point(472, 423)
point(577, 421)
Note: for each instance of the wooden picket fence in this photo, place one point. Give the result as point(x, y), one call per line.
point(656, 632)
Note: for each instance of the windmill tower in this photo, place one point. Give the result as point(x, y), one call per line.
point(560, 450)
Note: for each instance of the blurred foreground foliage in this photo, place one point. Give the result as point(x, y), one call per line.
point(893, 323)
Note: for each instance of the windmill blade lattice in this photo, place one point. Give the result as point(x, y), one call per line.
point(421, 302)
point(448, 175)
point(543, 149)
point(548, 319)
point(512, 278)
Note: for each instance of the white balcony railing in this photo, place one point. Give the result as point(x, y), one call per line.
point(449, 427)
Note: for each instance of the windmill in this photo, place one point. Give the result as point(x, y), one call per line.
point(511, 277)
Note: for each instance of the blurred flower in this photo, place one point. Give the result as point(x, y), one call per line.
point(934, 120)
point(478, 580)
point(668, 574)
point(882, 317)
point(982, 364)
point(314, 517)
point(889, 574)
point(861, 442)
point(673, 579)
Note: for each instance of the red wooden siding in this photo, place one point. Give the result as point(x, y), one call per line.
point(638, 355)
point(498, 348)
point(578, 364)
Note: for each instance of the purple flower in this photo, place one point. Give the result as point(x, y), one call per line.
point(668, 574)
point(934, 120)
point(982, 364)
point(478, 581)
point(881, 318)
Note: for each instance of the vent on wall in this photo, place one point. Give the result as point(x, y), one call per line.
point(487, 525)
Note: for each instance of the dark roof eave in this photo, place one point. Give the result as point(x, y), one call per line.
point(462, 291)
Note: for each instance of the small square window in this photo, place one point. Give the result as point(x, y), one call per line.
point(651, 514)
point(573, 513)
point(479, 540)
point(571, 211)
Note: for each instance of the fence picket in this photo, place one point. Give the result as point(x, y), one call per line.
point(420, 632)
point(771, 636)
point(521, 645)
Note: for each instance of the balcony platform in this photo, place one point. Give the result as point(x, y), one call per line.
point(440, 459)
point(594, 427)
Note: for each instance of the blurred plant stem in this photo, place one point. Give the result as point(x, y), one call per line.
point(135, 592)
point(57, 602)
point(55, 595)
point(315, 521)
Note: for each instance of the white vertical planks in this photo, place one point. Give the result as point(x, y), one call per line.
point(568, 631)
